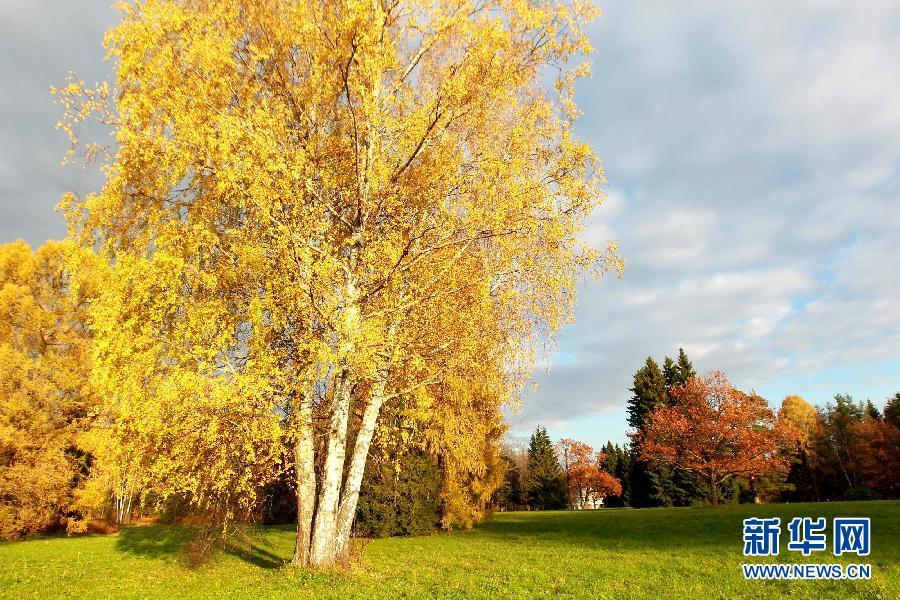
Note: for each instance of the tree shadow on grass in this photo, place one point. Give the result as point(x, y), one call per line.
point(181, 542)
point(154, 541)
point(250, 546)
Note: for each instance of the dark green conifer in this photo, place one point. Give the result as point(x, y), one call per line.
point(649, 391)
point(545, 483)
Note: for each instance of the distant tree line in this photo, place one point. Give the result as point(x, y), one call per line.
point(848, 450)
point(548, 476)
point(699, 440)
point(844, 450)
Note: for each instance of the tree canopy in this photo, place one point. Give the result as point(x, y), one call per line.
point(47, 403)
point(314, 210)
point(717, 432)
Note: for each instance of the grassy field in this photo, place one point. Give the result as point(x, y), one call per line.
point(651, 553)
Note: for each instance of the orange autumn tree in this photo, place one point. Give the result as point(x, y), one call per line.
point(717, 432)
point(585, 476)
point(315, 210)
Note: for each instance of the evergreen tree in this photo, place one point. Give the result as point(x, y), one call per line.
point(670, 373)
point(611, 466)
point(611, 459)
point(872, 411)
point(511, 493)
point(545, 483)
point(616, 463)
point(649, 391)
point(624, 474)
point(688, 489)
point(680, 487)
point(400, 493)
point(678, 372)
point(892, 410)
point(660, 485)
point(684, 370)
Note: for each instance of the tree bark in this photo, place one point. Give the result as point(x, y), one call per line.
point(840, 462)
point(713, 489)
point(304, 472)
point(323, 551)
point(350, 495)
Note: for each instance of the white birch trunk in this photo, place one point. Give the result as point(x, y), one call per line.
point(350, 496)
point(323, 550)
point(304, 472)
point(123, 502)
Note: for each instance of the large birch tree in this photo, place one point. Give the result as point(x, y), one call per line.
point(316, 208)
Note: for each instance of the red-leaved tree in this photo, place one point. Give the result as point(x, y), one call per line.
point(587, 480)
point(716, 432)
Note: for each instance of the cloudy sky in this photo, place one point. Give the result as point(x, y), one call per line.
point(753, 156)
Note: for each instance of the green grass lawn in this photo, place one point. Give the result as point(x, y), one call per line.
point(651, 553)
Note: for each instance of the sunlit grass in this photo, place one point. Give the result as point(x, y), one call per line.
point(652, 553)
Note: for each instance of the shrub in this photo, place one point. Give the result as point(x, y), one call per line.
point(400, 495)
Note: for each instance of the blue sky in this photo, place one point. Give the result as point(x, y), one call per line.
point(753, 157)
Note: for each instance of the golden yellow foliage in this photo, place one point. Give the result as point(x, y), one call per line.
point(314, 209)
point(803, 416)
point(46, 401)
